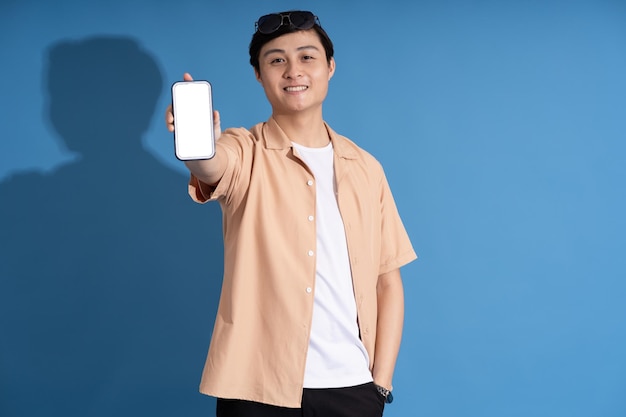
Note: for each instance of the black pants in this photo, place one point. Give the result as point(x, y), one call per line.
point(359, 401)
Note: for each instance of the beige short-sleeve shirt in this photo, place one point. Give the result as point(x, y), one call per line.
point(267, 194)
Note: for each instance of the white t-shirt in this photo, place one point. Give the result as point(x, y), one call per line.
point(336, 356)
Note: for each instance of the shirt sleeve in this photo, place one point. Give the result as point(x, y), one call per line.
point(396, 249)
point(235, 146)
point(199, 191)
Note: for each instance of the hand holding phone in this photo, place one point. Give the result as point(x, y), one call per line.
point(192, 107)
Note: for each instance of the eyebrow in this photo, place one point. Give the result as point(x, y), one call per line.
point(282, 51)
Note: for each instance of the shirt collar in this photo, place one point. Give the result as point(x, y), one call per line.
point(275, 138)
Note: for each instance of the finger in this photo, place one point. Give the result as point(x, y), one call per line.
point(217, 129)
point(169, 118)
point(187, 77)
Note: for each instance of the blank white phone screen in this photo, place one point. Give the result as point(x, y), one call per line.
point(193, 120)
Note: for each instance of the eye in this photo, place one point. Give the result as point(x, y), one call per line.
point(277, 61)
point(308, 58)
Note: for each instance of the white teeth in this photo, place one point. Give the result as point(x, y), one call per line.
point(298, 88)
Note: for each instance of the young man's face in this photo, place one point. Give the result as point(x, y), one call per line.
point(294, 72)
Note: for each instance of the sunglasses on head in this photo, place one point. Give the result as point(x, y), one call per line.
point(270, 23)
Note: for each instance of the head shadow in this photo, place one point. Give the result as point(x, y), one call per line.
point(102, 94)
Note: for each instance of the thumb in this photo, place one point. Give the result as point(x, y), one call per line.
point(187, 77)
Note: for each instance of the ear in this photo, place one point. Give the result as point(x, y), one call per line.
point(331, 66)
point(257, 74)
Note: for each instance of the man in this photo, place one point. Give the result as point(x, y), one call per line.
point(311, 310)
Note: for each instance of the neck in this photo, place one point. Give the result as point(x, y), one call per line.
point(304, 129)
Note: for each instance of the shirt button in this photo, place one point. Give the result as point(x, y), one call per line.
point(309, 289)
point(311, 218)
point(309, 182)
point(311, 253)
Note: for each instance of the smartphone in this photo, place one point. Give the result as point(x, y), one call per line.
point(192, 105)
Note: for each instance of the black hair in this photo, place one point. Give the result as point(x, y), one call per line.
point(259, 39)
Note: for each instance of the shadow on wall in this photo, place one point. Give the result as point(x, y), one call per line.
point(107, 287)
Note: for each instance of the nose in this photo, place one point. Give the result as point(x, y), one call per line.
point(293, 71)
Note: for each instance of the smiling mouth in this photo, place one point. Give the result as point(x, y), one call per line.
point(295, 89)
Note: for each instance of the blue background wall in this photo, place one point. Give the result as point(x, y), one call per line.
point(500, 124)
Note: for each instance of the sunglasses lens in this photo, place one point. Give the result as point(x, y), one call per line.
point(302, 20)
point(269, 23)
